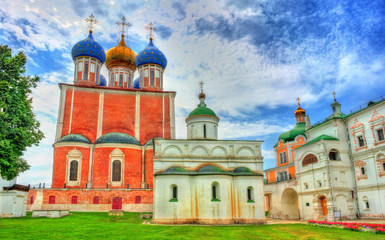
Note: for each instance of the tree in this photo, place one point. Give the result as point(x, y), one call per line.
point(18, 127)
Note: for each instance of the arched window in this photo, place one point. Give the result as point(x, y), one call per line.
point(32, 200)
point(204, 130)
point(215, 194)
point(74, 170)
point(137, 200)
point(284, 157)
point(116, 171)
point(309, 159)
point(96, 200)
point(250, 194)
point(74, 200)
point(334, 155)
point(51, 200)
point(128, 80)
point(112, 80)
point(97, 75)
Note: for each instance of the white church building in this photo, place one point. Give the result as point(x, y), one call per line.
point(206, 180)
point(339, 168)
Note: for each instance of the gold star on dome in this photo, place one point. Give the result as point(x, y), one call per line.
point(91, 19)
point(150, 27)
point(123, 25)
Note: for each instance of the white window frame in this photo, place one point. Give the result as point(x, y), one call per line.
point(72, 155)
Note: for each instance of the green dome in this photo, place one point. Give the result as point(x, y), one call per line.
point(116, 137)
point(175, 169)
point(201, 110)
point(74, 138)
point(290, 135)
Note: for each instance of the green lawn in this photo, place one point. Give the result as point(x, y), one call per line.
point(129, 226)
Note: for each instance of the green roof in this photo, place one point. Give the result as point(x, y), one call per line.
point(74, 138)
point(322, 137)
point(209, 170)
point(290, 135)
point(117, 137)
point(201, 110)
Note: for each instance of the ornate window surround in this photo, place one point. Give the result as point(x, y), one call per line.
point(357, 131)
point(380, 160)
point(377, 123)
point(360, 164)
point(76, 155)
point(116, 154)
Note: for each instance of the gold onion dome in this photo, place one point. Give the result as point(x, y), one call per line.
point(299, 111)
point(121, 55)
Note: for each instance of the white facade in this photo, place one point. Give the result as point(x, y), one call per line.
point(339, 171)
point(13, 201)
point(197, 169)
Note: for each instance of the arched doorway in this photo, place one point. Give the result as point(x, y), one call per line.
point(289, 204)
point(324, 205)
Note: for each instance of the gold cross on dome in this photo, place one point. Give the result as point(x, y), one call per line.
point(298, 99)
point(201, 83)
point(150, 27)
point(334, 95)
point(91, 19)
point(124, 24)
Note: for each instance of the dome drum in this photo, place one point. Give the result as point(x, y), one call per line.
point(151, 77)
point(121, 77)
point(87, 71)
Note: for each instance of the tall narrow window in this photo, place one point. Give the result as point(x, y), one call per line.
point(383, 166)
point(74, 170)
point(215, 195)
point(112, 80)
point(121, 80)
point(361, 142)
point(116, 171)
point(204, 130)
point(51, 200)
point(141, 79)
point(129, 80)
point(74, 200)
point(152, 77)
point(250, 194)
point(280, 158)
point(96, 200)
point(174, 192)
point(380, 134)
point(32, 200)
point(161, 80)
point(97, 75)
point(284, 157)
point(85, 77)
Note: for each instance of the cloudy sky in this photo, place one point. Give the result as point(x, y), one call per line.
point(255, 57)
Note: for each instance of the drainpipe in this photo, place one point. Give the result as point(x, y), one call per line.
point(330, 179)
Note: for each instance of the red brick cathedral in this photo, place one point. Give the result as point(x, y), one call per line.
point(103, 152)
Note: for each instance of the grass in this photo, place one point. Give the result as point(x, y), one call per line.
point(129, 226)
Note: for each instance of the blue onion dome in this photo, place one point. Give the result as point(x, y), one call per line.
point(88, 48)
point(136, 83)
point(102, 81)
point(149, 55)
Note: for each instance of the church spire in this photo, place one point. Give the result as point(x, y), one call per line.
point(336, 106)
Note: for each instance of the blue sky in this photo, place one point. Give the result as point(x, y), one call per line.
point(255, 57)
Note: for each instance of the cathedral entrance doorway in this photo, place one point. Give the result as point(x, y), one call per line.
point(289, 204)
point(324, 205)
point(117, 203)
